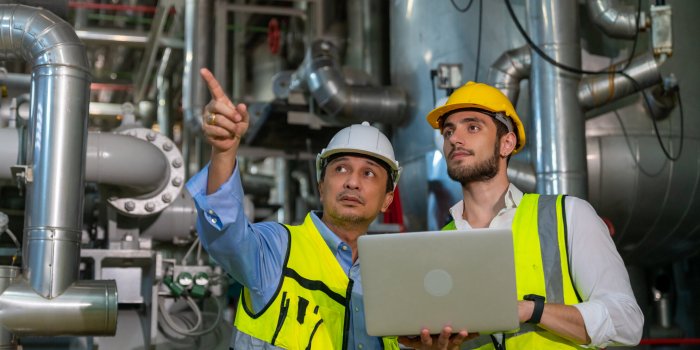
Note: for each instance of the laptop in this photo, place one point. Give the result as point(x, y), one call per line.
point(430, 279)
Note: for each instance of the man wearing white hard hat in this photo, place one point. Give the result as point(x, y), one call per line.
point(301, 283)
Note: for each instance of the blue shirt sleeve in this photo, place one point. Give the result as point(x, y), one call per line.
point(252, 253)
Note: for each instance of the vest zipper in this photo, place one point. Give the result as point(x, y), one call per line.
point(284, 307)
point(346, 325)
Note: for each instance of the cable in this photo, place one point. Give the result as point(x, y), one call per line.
point(620, 71)
point(171, 323)
point(219, 316)
point(189, 251)
point(478, 41)
point(469, 5)
point(14, 238)
point(192, 331)
point(563, 66)
point(667, 153)
point(433, 74)
point(635, 156)
point(199, 251)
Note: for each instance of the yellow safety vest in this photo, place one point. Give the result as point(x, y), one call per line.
point(310, 308)
point(541, 267)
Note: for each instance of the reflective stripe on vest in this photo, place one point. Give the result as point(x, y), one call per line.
point(541, 267)
point(309, 310)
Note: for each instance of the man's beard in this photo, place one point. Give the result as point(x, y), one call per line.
point(481, 171)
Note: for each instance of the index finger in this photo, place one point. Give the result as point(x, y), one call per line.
point(217, 92)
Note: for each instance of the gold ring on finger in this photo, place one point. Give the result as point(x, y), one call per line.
point(211, 119)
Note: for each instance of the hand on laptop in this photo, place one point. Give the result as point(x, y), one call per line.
point(446, 340)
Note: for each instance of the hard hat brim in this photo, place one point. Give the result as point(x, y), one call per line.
point(433, 117)
point(393, 165)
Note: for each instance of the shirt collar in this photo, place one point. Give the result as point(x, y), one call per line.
point(331, 238)
point(513, 198)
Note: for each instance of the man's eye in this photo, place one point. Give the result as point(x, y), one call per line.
point(340, 169)
point(473, 128)
point(447, 133)
point(369, 173)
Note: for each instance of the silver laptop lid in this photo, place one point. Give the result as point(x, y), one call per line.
point(430, 279)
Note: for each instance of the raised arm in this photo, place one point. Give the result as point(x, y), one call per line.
point(224, 125)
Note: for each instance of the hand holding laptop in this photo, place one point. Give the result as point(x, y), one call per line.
point(446, 340)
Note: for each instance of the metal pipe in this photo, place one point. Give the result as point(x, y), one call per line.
point(347, 104)
point(112, 159)
point(54, 181)
point(522, 174)
point(366, 47)
point(267, 10)
point(125, 161)
point(59, 103)
point(8, 274)
point(559, 146)
point(597, 90)
point(175, 223)
point(509, 69)
point(124, 37)
point(164, 98)
point(615, 20)
point(87, 307)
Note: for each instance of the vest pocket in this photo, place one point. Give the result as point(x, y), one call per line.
point(307, 325)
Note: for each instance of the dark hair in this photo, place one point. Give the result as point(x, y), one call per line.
point(383, 164)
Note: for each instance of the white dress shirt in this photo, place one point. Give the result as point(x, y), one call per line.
point(610, 311)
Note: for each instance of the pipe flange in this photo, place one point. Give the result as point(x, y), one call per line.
point(156, 201)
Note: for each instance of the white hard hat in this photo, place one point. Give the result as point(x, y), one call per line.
point(362, 139)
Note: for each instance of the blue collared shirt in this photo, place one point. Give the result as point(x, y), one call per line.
point(253, 253)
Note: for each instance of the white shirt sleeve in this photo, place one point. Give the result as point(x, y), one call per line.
point(609, 309)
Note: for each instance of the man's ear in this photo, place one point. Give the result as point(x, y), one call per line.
point(388, 198)
point(320, 191)
point(508, 142)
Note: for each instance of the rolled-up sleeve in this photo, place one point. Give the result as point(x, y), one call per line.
point(252, 254)
point(609, 309)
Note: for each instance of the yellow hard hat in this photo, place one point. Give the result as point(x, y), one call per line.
point(482, 96)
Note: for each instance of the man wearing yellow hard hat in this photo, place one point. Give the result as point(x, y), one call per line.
point(573, 288)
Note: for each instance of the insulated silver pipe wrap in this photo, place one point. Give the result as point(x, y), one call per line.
point(597, 90)
point(58, 114)
point(347, 104)
point(509, 69)
point(48, 299)
point(615, 20)
point(559, 143)
point(86, 308)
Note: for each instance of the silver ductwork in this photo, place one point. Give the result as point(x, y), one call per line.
point(509, 69)
point(559, 126)
point(615, 20)
point(597, 90)
point(54, 181)
point(321, 75)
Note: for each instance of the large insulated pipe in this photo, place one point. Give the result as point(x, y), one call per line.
point(112, 159)
point(343, 103)
point(367, 42)
point(86, 307)
point(56, 162)
point(509, 69)
point(559, 126)
point(597, 90)
point(615, 20)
